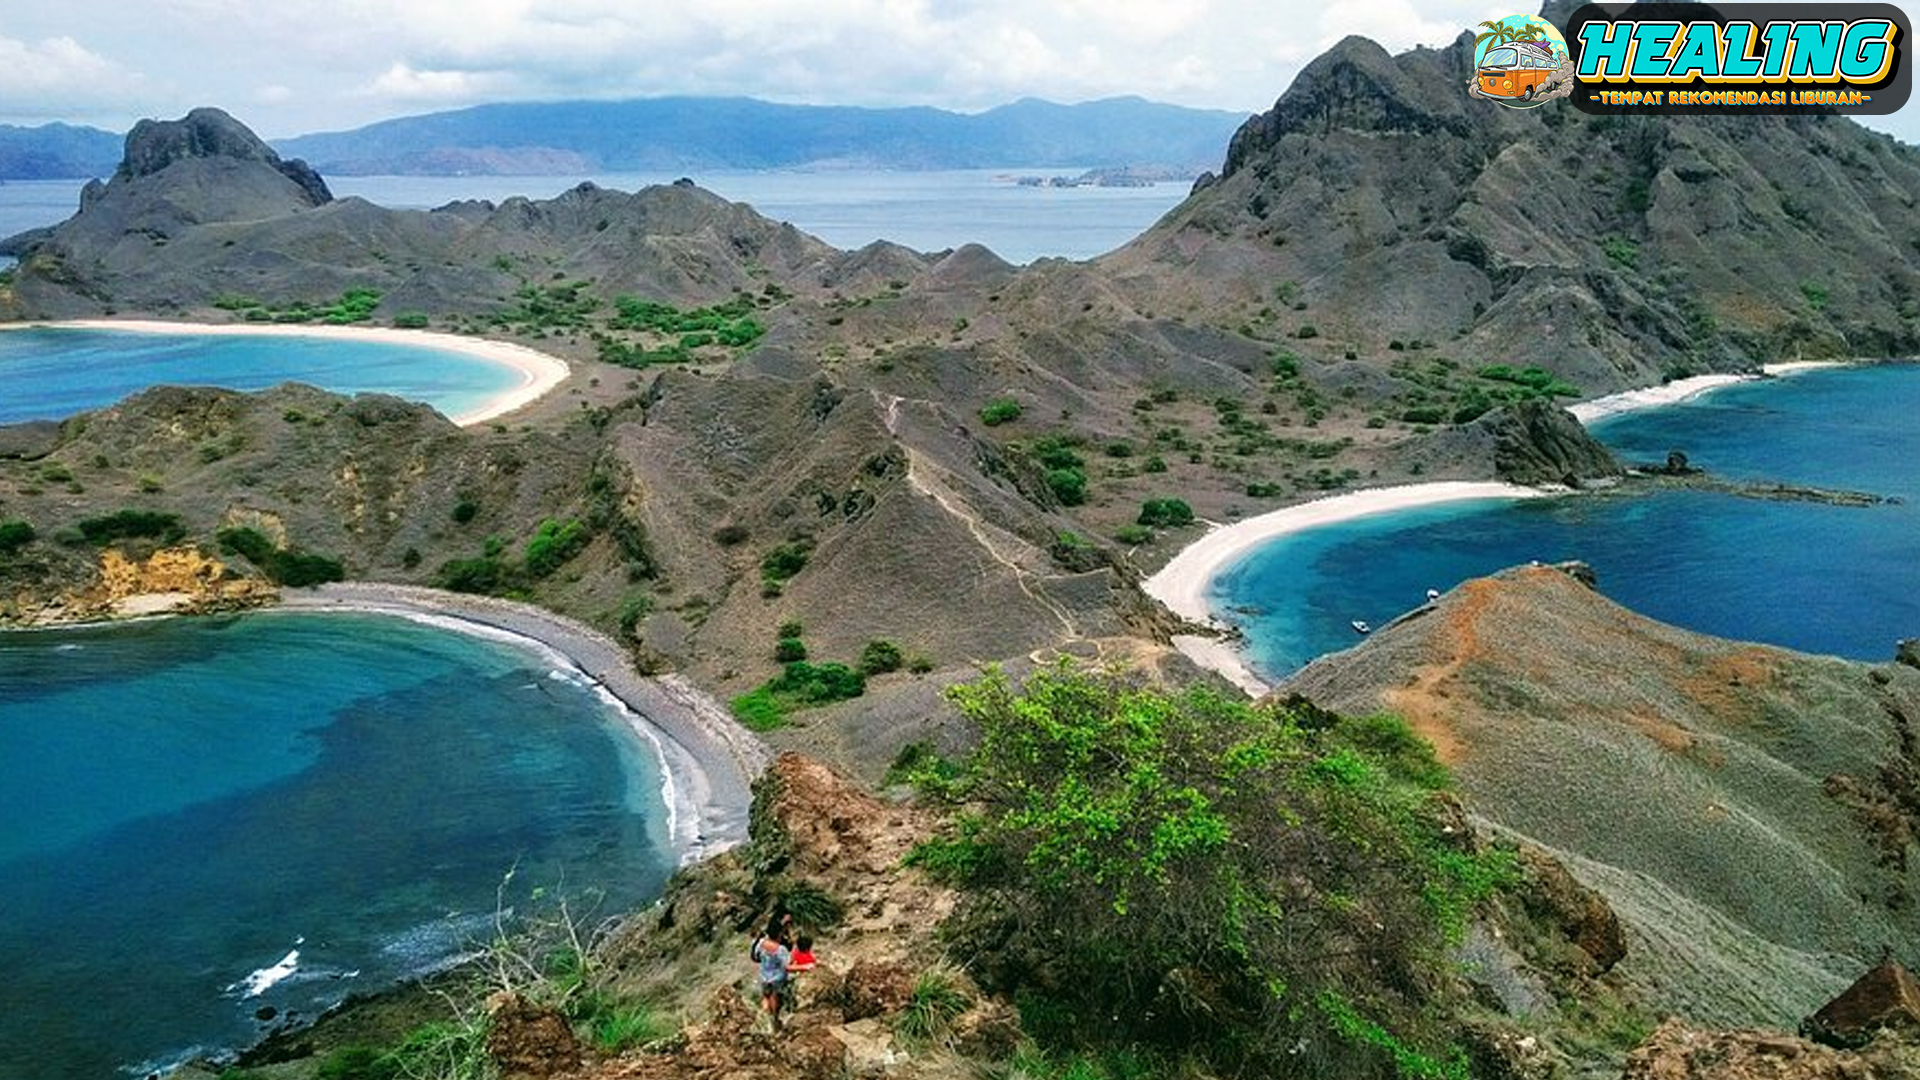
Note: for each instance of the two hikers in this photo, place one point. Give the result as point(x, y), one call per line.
point(780, 957)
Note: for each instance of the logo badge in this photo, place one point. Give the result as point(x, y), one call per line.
point(1520, 61)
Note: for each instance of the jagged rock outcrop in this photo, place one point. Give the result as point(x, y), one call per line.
point(155, 145)
point(1884, 1001)
point(528, 1041)
point(1528, 442)
point(1537, 442)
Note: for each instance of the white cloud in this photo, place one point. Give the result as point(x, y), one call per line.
point(273, 94)
point(403, 83)
point(59, 77)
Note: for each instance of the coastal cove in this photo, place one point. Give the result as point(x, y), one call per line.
point(313, 802)
point(51, 371)
point(1817, 578)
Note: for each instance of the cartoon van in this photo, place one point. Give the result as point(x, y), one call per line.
point(1519, 69)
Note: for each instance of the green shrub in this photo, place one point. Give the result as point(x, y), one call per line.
point(622, 1027)
point(811, 906)
point(920, 663)
point(1307, 330)
point(880, 657)
point(465, 510)
point(1002, 411)
point(791, 628)
point(632, 610)
point(553, 544)
point(1165, 513)
point(819, 684)
point(784, 562)
point(482, 575)
point(1178, 838)
point(935, 1003)
point(789, 649)
point(412, 320)
point(14, 535)
point(290, 567)
point(759, 710)
point(133, 525)
point(1068, 485)
point(1133, 534)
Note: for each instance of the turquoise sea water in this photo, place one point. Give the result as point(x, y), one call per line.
point(1825, 579)
point(52, 374)
point(189, 801)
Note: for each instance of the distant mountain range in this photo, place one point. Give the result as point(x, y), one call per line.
point(742, 133)
point(579, 137)
point(57, 152)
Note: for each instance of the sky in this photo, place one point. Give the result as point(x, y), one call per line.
point(288, 68)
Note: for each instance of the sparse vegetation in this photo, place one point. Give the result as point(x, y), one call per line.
point(14, 535)
point(880, 657)
point(354, 306)
point(284, 566)
point(133, 525)
point(1003, 411)
point(553, 544)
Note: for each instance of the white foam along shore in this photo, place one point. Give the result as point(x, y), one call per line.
point(1683, 390)
point(708, 762)
point(1182, 584)
point(538, 372)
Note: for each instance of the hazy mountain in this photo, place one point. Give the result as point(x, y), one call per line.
point(742, 133)
point(56, 152)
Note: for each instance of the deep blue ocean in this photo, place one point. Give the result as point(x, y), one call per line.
point(1825, 579)
point(52, 374)
point(189, 801)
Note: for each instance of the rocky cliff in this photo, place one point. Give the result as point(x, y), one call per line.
point(1613, 250)
point(1746, 810)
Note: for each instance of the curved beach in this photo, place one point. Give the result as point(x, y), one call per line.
point(1182, 584)
point(538, 372)
point(708, 762)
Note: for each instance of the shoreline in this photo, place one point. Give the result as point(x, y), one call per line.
point(1183, 583)
point(708, 763)
point(540, 373)
point(1679, 390)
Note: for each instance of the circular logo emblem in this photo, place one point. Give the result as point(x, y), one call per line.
point(1520, 61)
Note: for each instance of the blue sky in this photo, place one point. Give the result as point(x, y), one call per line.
point(288, 68)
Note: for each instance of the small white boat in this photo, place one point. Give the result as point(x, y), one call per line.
point(1360, 627)
point(1432, 595)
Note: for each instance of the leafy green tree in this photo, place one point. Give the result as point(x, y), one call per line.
point(1270, 889)
point(1165, 513)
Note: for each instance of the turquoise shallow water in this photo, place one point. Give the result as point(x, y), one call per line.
point(1818, 578)
point(189, 801)
point(52, 374)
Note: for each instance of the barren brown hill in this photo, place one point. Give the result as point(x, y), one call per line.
point(1746, 810)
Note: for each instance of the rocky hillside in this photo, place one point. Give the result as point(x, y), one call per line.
point(1614, 250)
point(1747, 811)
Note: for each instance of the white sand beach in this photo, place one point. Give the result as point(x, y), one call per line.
point(539, 372)
point(1182, 584)
point(1687, 389)
point(708, 761)
point(1648, 397)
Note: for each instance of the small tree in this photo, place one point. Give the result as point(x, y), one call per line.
point(1165, 513)
point(789, 649)
point(1003, 411)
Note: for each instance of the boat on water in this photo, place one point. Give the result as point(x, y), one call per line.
point(1360, 627)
